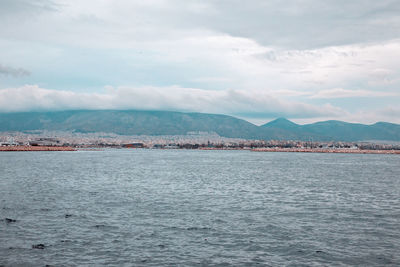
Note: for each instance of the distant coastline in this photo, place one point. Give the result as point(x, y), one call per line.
point(36, 148)
point(275, 149)
point(319, 150)
point(124, 123)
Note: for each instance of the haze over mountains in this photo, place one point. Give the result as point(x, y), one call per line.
point(133, 122)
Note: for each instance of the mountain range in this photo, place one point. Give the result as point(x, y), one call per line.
point(134, 122)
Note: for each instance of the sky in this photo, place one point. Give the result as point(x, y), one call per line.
point(305, 60)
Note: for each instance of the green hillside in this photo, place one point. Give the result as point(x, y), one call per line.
point(133, 122)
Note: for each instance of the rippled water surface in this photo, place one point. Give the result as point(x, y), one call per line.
point(181, 207)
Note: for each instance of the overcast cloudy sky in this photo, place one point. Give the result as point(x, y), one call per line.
point(307, 60)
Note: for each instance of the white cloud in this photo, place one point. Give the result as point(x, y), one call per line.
point(32, 97)
point(343, 93)
point(390, 112)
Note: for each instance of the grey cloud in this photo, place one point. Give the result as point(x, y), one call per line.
point(297, 24)
point(10, 8)
point(15, 72)
point(309, 23)
point(301, 24)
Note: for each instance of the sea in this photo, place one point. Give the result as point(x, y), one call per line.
point(148, 207)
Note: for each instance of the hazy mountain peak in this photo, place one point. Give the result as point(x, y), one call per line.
point(281, 123)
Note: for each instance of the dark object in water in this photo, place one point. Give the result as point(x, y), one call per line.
point(39, 246)
point(8, 220)
point(68, 215)
point(198, 228)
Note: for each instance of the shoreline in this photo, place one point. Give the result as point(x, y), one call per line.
point(36, 148)
point(289, 150)
point(319, 150)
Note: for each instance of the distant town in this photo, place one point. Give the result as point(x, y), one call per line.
point(58, 140)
